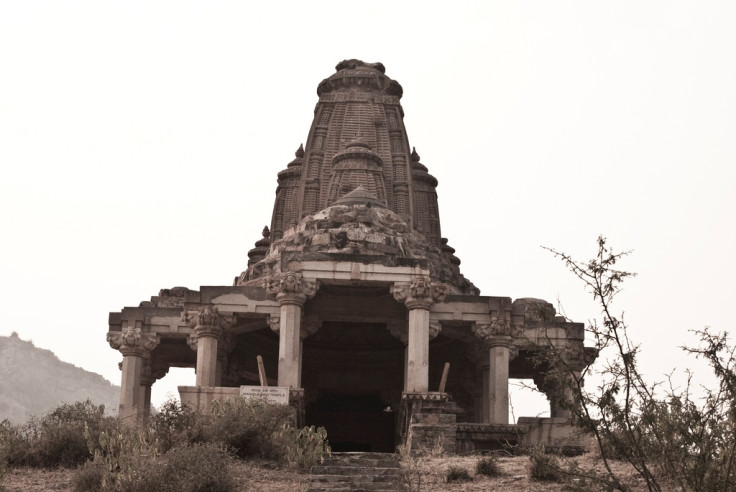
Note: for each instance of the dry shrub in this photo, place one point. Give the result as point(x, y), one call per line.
point(456, 474)
point(544, 467)
point(56, 439)
point(488, 466)
point(189, 468)
point(251, 427)
point(175, 424)
point(89, 477)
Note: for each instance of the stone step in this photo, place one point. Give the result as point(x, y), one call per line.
point(354, 472)
point(367, 487)
point(375, 460)
point(354, 478)
point(367, 463)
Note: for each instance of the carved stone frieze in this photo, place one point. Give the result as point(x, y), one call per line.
point(419, 292)
point(133, 341)
point(577, 357)
point(498, 328)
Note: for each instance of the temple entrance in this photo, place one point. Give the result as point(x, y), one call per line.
point(352, 374)
point(354, 422)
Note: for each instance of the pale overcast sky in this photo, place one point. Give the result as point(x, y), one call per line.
point(140, 142)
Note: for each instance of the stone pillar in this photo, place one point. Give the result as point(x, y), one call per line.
point(134, 344)
point(291, 291)
point(208, 327)
point(224, 346)
point(498, 381)
point(418, 296)
point(400, 329)
point(497, 337)
point(485, 411)
point(310, 325)
point(151, 372)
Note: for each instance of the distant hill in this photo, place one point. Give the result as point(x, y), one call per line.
point(34, 381)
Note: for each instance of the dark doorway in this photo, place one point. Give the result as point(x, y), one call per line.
point(352, 375)
point(354, 422)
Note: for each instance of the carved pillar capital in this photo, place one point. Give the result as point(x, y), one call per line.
point(435, 327)
point(310, 325)
point(133, 341)
point(290, 288)
point(399, 329)
point(419, 292)
point(497, 333)
point(576, 356)
point(152, 371)
point(274, 322)
point(225, 345)
point(207, 321)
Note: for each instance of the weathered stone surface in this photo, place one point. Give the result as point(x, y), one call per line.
point(351, 227)
point(352, 299)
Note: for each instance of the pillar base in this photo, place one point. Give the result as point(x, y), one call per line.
point(555, 434)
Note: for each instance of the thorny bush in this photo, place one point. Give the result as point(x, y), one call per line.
point(668, 435)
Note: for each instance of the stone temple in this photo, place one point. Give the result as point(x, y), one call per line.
point(355, 302)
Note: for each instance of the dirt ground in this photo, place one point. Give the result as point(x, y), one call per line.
point(264, 476)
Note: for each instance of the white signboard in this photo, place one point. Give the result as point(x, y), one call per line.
point(272, 394)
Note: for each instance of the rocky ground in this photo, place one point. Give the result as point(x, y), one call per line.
point(263, 476)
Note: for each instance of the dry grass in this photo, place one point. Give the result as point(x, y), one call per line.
point(265, 476)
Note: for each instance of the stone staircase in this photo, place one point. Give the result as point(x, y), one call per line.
point(356, 472)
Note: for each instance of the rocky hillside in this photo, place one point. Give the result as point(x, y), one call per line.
point(34, 381)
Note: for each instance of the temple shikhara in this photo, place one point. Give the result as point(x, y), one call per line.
point(355, 303)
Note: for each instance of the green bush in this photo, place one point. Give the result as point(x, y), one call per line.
point(122, 452)
point(56, 439)
point(250, 427)
point(3, 468)
point(184, 468)
point(488, 466)
point(88, 477)
point(175, 424)
point(306, 446)
point(456, 474)
point(190, 468)
point(544, 467)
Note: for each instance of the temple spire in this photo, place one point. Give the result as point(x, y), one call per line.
point(358, 114)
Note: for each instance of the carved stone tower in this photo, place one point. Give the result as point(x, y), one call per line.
point(358, 102)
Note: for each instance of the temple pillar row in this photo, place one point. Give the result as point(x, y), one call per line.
point(135, 345)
